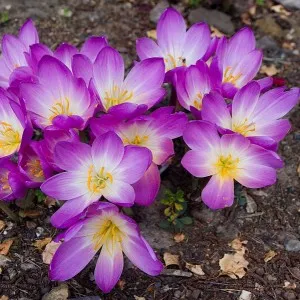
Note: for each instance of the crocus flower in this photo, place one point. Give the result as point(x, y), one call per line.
point(155, 132)
point(106, 168)
point(14, 127)
point(175, 45)
point(12, 182)
point(107, 230)
point(115, 93)
point(255, 116)
point(227, 158)
point(58, 98)
point(14, 51)
point(192, 84)
point(33, 164)
point(236, 63)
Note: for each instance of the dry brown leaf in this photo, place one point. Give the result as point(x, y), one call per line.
point(40, 244)
point(179, 237)
point(171, 259)
point(152, 34)
point(269, 255)
point(269, 70)
point(2, 224)
point(245, 17)
point(4, 247)
point(121, 284)
point(3, 297)
point(49, 251)
point(238, 245)
point(49, 201)
point(233, 265)
point(216, 32)
point(196, 269)
point(280, 10)
point(31, 213)
point(290, 286)
point(139, 298)
point(252, 10)
point(289, 45)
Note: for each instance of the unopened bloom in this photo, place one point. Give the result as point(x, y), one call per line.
point(13, 126)
point(106, 168)
point(254, 116)
point(236, 63)
point(135, 90)
point(58, 98)
point(12, 182)
point(155, 132)
point(175, 45)
point(107, 230)
point(14, 51)
point(227, 158)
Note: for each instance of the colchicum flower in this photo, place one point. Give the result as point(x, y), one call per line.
point(155, 132)
point(12, 182)
point(175, 45)
point(254, 116)
point(122, 95)
point(227, 158)
point(58, 98)
point(106, 168)
point(236, 63)
point(14, 51)
point(107, 230)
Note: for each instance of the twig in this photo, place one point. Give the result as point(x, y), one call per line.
point(179, 273)
point(4, 207)
point(258, 214)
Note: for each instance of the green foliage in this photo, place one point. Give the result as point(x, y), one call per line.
point(238, 195)
point(260, 2)
point(194, 3)
point(175, 211)
point(40, 196)
point(4, 17)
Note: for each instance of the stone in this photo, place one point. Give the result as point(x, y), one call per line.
point(251, 206)
point(213, 17)
point(269, 26)
point(58, 293)
point(4, 260)
point(292, 245)
point(157, 10)
point(269, 46)
point(291, 4)
point(289, 295)
point(195, 294)
point(27, 266)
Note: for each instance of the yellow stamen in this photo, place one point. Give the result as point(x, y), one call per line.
point(4, 184)
point(35, 169)
point(244, 127)
point(61, 107)
point(229, 77)
point(198, 101)
point(172, 62)
point(10, 138)
point(116, 96)
point(227, 166)
point(137, 140)
point(98, 181)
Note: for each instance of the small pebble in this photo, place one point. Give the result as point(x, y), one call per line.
point(289, 295)
point(292, 245)
point(39, 231)
point(260, 271)
point(177, 294)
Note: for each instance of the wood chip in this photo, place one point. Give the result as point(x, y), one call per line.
point(269, 70)
point(178, 273)
point(5, 246)
point(196, 269)
point(49, 251)
point(139, 298)
point(2, 224)
point(280, 10)
point(40, 244)
point(179, 237)
point(171, 259)
point(290, 286)
point(269, 255)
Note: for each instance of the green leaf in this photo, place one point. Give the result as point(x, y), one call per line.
point(178, 207)
point(167, 211)
point(165, 224)
point(186, 220)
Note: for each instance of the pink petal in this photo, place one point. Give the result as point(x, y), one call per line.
point(92, 46)
point(65, 54)
point(28, 34)
point(82, 67)
point(147, 48)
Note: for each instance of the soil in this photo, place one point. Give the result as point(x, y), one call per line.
point(276, 220)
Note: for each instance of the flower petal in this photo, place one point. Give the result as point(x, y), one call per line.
point(65, 53)
point(28, 34)
point(92, 46)
point(82, 67)
point(147, 48)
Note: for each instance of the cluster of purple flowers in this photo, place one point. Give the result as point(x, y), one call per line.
point(48, 97)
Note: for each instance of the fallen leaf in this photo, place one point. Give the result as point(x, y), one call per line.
point(216, 32)
point(4, 247)
point(245, 295)
point(252, 10)
point(3, 297)
point(245, 17)
point(280, 10)
point(2, 224)
point(233, 265)
point(171, 259)
point(269, 70)
point(196, 269)
point(289, 45)
point(121, 284)
point(290, 286)
point(152, 34)
point(179, 237)
point(269, 255)
point(49, 201)
point(40, 244)
point(139, 298)
point(49, 251)
point(30, 213)
point(238, 245)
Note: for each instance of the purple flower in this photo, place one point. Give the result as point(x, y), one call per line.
point(106, 168)
point(236, 63)
point(155, 132)
point(33, 164)
point(111, 232)
point(175, 45)
point(192, 84)
point(12, 182)
point(227, 158)
point(14, 128)
point(14, 51)
point(115, 92)
point(253, 115)
point(59, 98)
